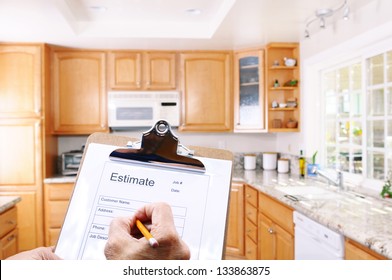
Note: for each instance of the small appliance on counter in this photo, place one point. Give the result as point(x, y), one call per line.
point(70, 162)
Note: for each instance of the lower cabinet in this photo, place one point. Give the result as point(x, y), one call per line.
point(276, 230)
point(56, 200)
point(8, 233)
point(356, 251)
point(235, 227)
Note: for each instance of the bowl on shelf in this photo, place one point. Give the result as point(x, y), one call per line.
point(290, 62)
point(292, 124)
point(282, 105)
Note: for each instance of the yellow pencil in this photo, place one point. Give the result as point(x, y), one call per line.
point(153, 242)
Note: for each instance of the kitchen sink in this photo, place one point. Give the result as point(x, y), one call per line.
point(307, 192)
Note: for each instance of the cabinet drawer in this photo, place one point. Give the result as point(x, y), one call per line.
point(279, 213)
point(9, 244)
point(59, 191)
point(7, 221)
point(251, 196)
point(250, 249)
point(251, 213)
point(251, 230)
point(56, 213)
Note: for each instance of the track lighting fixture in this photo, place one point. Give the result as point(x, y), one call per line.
point(320, 15)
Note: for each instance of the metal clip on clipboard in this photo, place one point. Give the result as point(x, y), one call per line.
point(159, 147)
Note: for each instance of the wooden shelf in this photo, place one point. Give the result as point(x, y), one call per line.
point(283, 68)
point(283, 129)
point(283, 88)
point(276, 52)
point(255, 66)
point(283, 109)
point(249, 84)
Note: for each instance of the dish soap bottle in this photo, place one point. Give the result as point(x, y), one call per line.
point(301, 165)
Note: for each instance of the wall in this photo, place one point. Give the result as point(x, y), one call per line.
point(369, 25)
point(237, 143)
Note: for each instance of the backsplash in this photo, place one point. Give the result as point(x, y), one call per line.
point(293, 160)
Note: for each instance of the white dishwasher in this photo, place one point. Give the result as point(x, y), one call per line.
point(314, 241)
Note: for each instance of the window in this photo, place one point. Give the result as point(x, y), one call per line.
point(358, 116)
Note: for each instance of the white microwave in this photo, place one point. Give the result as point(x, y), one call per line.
point(128, 109)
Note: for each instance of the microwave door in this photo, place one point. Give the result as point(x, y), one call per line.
point(134, 116)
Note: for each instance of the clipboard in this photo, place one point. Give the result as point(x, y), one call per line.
point(119, 174)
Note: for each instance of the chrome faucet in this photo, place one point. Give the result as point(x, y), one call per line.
point(337, 182)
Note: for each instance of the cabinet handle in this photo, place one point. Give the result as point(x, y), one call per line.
point(271, 231)
point(138, 84)
point(10, 222)
point(11, 237)
point(248, 195)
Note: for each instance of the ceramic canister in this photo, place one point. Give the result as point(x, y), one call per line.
point(269, 161)
point(249, 161)
point(283, 165)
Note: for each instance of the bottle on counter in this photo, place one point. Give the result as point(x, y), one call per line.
point(301, 165)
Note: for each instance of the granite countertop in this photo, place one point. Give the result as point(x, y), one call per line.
point(365, 219)
point(60, 179)
point(7, 202)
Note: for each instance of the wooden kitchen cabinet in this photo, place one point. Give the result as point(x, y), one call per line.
point(56, 200)
point(79, 92)
point(21, 175)
point(235, 228)
point(20, 81)
point(142, 70)
point(24, 90)
point(356, 251)
point(206, 91)
point(277, 75)
point(249, 97)
point(276, 230)
point(8, 233)
point(251, 231)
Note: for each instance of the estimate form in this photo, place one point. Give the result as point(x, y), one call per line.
point(106, 189)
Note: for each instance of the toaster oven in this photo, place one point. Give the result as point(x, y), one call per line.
point(70, 162)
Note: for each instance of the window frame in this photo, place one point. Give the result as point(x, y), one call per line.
point(361, 57)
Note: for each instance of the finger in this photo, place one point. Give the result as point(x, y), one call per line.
point(160, 216)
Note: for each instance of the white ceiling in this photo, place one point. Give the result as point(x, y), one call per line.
point(159, 24)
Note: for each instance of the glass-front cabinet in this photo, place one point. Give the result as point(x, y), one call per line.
point(249, 98)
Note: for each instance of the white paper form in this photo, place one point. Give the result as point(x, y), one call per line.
point(106, 189)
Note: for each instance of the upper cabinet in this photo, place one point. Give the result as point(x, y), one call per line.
point(282, 87)
point(79, 93)
point(206, 91)
point(129, 70)
point(20, 81)
point(249, 97)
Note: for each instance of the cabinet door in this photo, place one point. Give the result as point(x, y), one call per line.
point(79, 92)
point(266, 239)
point(249, 97)
point(235, 228)
point(356, 251)
point(159, 70)
point(125, 70)
point(206, 89)
point(284, 244)
point(20, 150)
point(20, 81)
